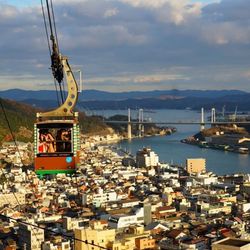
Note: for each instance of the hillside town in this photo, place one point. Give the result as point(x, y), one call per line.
point(124, 72)
point(119, 201)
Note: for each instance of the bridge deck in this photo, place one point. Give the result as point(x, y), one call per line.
point(180, 122)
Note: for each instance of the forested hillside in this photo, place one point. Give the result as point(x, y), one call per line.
point(22, 117)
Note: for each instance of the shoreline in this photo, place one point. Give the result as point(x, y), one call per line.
point(214, 146)
point(225, 148)
point(92, 140)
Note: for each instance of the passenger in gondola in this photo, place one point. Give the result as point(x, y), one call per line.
point(46, 142)
point(42, 148)
point(66, 137)
point(63, 140)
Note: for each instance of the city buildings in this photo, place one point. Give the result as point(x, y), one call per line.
point(148, 206)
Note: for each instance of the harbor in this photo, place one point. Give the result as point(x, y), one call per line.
point(171, 150)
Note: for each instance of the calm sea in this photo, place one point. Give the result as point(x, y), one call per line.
point(170, 149)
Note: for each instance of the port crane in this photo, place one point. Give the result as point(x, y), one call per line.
point(56, 132)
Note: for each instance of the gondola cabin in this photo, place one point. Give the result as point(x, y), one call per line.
point(57, 146)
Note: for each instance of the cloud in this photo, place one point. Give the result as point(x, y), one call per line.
point(7, 12)
point(111, 12)
point(226, 22)
point(140, 79)
point(154, 78)
point(227, 10)
point(130, 43)
point(225, 33)
point(246, 74)
point(100, 36)
point(169, 11)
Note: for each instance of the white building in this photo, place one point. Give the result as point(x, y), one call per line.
point(206, 178)
point(127, 174)
point(73, 223)
point(60, 246)
point(146, 158)
point(244, 207)
point(98, 199)
point(122, 220)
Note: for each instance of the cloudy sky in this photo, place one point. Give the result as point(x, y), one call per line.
point(124, 45)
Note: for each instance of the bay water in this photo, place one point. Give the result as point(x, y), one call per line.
point(171, 150)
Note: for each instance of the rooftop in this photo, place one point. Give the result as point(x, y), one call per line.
point(234, 242)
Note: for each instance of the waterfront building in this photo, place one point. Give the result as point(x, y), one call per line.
point(146, 158)
point(206, 178)
point(195, 165)
point(231, 140)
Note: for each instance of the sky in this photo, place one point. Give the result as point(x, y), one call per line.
point(127, 45)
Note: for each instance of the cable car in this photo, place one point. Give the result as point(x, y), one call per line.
point(56, 132)
point(56, 146)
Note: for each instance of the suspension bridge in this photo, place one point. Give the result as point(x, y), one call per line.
point(141, 122)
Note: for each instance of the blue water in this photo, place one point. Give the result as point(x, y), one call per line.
point(170, 149)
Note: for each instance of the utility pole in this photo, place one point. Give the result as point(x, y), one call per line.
point(202, 120)
point(213, 119)
point(140, 120)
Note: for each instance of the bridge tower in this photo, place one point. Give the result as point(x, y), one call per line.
point(140, 120)
point(213, 118)
point(129, 125)
point(202, 120)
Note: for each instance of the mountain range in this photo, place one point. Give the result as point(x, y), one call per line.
point(92, 95)
point(157, 99)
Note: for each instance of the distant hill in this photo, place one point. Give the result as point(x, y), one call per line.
point(230, 102)
point(158, 99)
point(91, 95)
point(22, 116)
